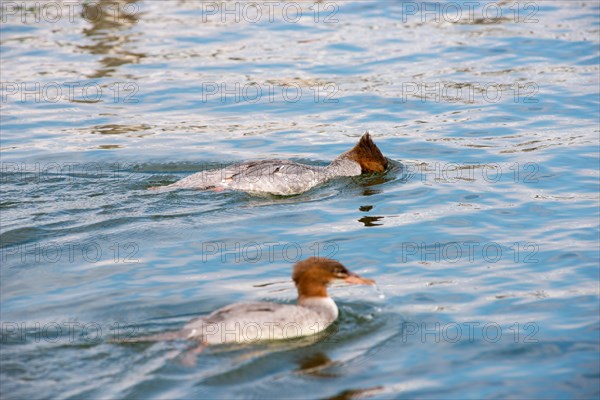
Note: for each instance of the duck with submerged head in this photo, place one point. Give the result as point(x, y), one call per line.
point(285, 178)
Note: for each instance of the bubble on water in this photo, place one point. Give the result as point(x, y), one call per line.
point(380, 293)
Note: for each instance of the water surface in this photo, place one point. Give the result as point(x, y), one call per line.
point(483, 237)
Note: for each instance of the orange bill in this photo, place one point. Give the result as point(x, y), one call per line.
point(358, 280)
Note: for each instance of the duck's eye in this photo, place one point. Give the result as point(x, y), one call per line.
point(338, 271)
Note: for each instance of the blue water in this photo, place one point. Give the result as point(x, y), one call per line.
point(483, 236)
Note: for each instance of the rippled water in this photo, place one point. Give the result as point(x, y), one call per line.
point(483, 237)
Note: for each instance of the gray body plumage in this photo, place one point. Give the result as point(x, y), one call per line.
point(254, 321)
point(278, 177)
point(259, 321)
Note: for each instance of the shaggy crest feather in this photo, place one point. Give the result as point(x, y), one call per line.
point(368, 155)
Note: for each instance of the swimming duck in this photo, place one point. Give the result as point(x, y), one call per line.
point(285, 178)
point(250, 322)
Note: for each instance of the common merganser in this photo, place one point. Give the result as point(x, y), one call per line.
point(258, 321)
point(285, 178)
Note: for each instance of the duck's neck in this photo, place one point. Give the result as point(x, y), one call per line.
point(311, 288)
point(323, 305)
point(343, 165)
point(313, 294)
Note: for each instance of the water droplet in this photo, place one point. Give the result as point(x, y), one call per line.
point(380, 292)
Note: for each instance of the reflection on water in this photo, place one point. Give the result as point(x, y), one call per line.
point(370, 221)
point(314, 364)
point(111, 33)
point(357, 393)
point(113, 129)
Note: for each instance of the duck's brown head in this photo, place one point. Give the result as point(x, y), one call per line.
point(312, 276)
point(367, 154)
